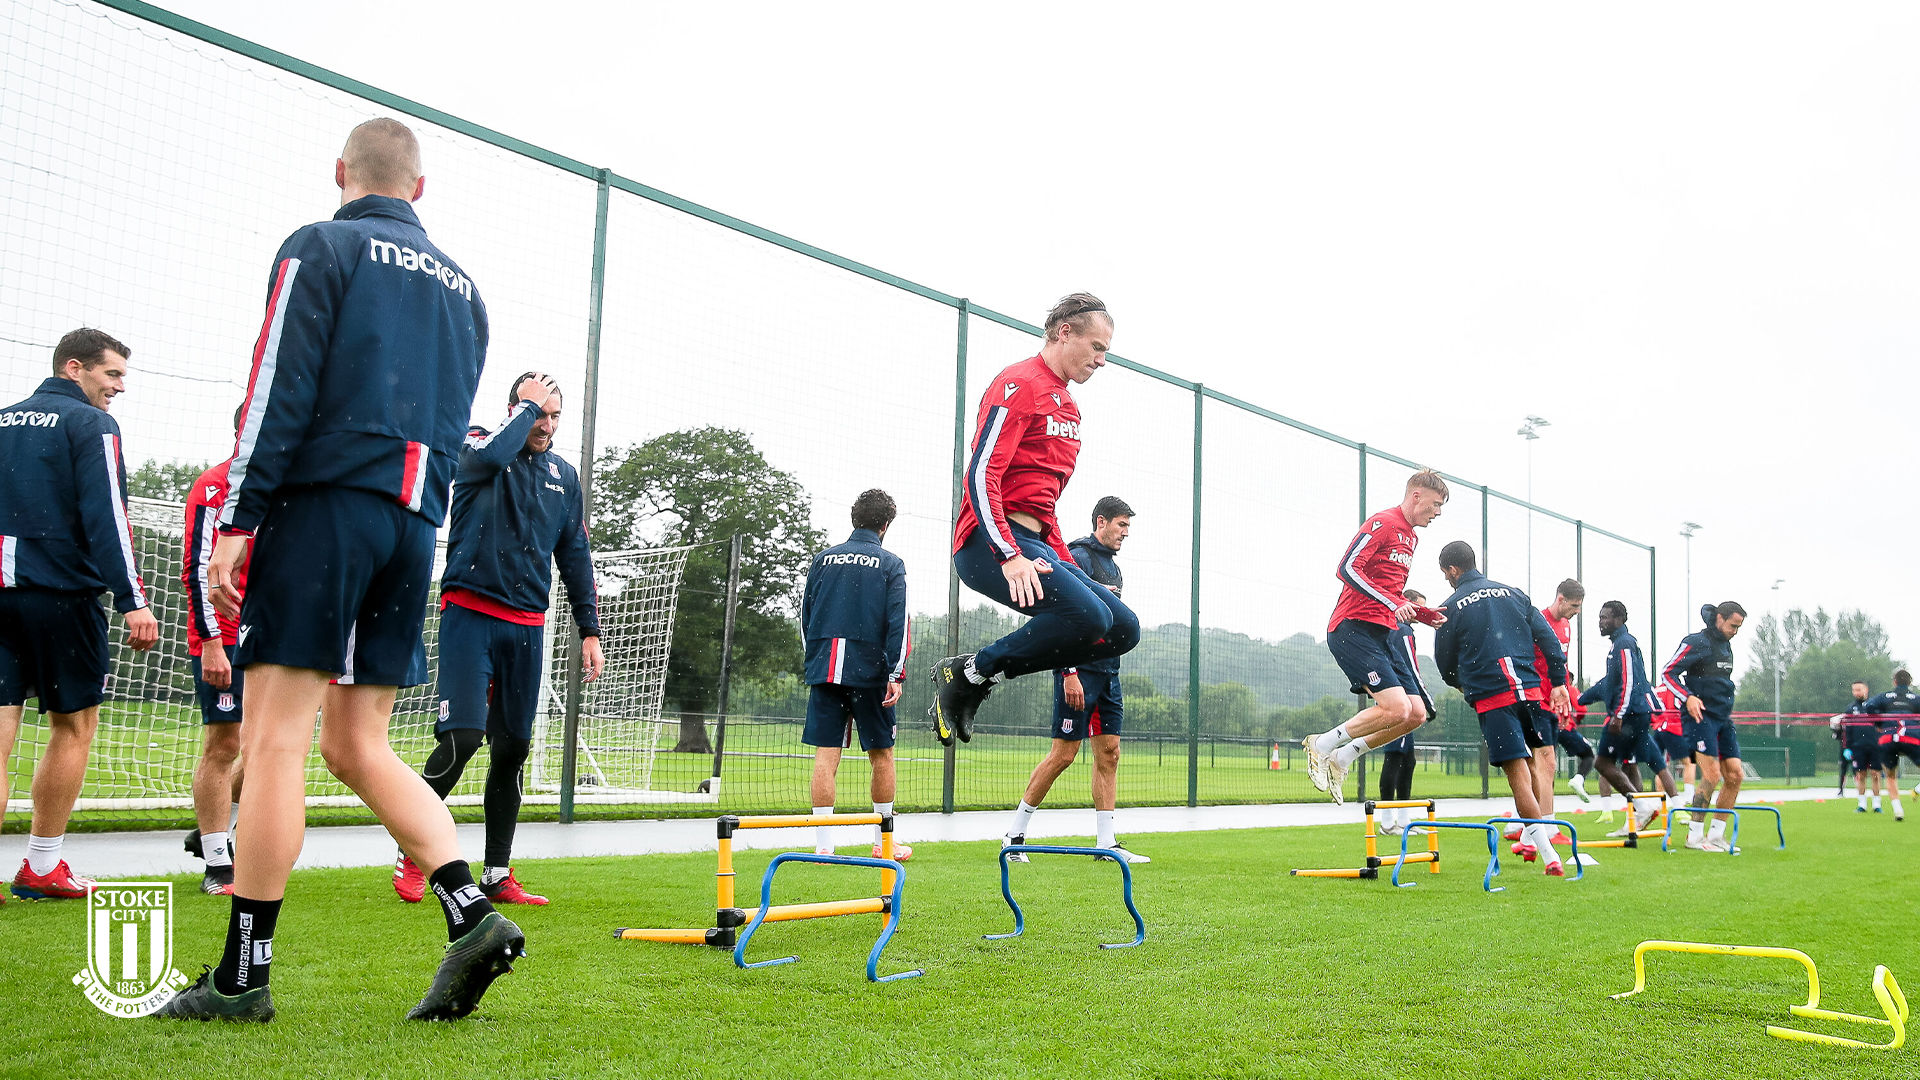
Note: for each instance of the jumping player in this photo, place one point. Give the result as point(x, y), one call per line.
point(1628, 733)
point(854, 617)
point(1373, 573)
point(1860, 746)
point(217, 777)
point(1484, 649)
point(1086, 700)
point(1007, 543)
point(1899, 737)
point(517, 512)
point(1700, 678)
point(363, 381)
point(64, 539)
point(1396, 758)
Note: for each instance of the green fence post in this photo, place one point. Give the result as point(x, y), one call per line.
point(949, 758)
point(1653, 602)
point(1580, 574)
point(1486, 557)
point(1193, 613)
point(589, 410)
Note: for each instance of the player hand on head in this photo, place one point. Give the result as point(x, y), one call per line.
point(592, 661)
point(537, 388)
point(1023, 579)
point(143, 630)
point(228, 553)
point(215, 668)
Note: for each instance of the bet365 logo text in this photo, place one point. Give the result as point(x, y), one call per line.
point(130, 970)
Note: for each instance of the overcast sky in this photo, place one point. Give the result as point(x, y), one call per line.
point(1685, 234)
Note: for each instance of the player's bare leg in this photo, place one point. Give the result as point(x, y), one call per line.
point(1106, 792)
point(215, 781)
point(353, 740)
point(1545, 765)
point(1891, 772)
point(1393, 713)
point(1059, 756)
point(882, 788)
point(279, 705)
point(57, 778)
point(10, 716)
point(1733, 774)
point(1520, 779)
point(1702, 797)
point(826, 765)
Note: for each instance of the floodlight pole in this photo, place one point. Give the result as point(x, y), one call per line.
point(1779, 658)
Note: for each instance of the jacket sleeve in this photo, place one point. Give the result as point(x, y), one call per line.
point(1683, 658)
point(899, 640)
point(100, 476)
point(483, 455)
point(1596, 692)
point(809, 601)
point(574, 556)
point(1548, 642)
point(1001, 430)
point(201, 519)
point(1619, 682)
point(1446, 652)
point(1352, 570)
point(303, 301)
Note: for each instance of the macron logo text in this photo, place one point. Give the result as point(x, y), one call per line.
point(29, 418)
point(850, 559)
point(406, 258)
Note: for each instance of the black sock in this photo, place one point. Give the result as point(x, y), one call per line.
point(451, 749)
point(464, 903)
point(507, 756)
point(249, 952)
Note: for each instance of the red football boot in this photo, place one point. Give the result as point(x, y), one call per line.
point(408, 881)
point(508, 891)
point(60, 884)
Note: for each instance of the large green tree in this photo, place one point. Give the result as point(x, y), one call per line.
point(1818, 657)
point(703, 486)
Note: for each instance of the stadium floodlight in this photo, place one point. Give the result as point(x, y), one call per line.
point(1529, 430)
point(1778, 659)
point(1687, 529)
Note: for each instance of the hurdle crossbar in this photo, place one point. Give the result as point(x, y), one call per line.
point(1375, 860)
point(890, 904)
point(1493, 853)
point(1632, 838)
point(1020, 919)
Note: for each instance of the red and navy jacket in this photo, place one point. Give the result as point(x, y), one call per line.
point(1485, 648)
point(1562, 632)
point(365, 368)
point(1901, 702)
point(854, 614)
point(517, 514)
point(1373, 571)
point(1026, 439)
point(205, 622)
point(1629, 693)
point(1702, 667)
point(63, 498)
point(1857, 725)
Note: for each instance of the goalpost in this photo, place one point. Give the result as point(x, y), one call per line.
point(150, 730)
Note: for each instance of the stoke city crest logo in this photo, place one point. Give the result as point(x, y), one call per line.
point(130, 970)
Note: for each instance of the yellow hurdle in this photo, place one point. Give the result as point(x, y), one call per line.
point(1656, 825)
point(1886, 989)
point(1375, 860)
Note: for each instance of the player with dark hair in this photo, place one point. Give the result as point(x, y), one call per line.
point(363, 381)
point(1485, 649)
point(1007, 543)
point(1628, 733)
point(1899, 735)
point(854, 618)
point(1397, 757)
point(1086, 700)
point(1859, 746)
point(1700, 678)
point(217, 777)
point(1373, 573)
point(64, 539)
point(517, 511)
point(1568, 597)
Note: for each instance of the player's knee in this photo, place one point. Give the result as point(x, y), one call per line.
point(1124, 631)
point(1398, 710)
point(508, 754)
point(451, 751)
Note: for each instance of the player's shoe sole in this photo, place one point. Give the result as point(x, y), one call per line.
point(1014, 841)
point(1316, 764)
point(1336, 781)
point(1527, 852)
point(485, 953)
point(202, 1002)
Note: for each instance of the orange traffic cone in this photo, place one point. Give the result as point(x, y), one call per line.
point(1274, 761)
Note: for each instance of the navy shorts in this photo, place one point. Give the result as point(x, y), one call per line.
point(834, 711)
point(1866, 752)
point(1633, 741)
point(217, 706)
point(1891, 751)
point(339, 582)
point(1104, 712)
point(1076, 621)
point(1673, 744)
point(489, 673)
point(53, 646)
point(1713, 738)
point(1366, 656)
point(1546, 725)
point(1573, 742)
point(1509, 733)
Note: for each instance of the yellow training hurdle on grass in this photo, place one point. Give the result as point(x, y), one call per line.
point(1656, 825)
point(1375, 860)
point(1885, 989)
point(728, 918)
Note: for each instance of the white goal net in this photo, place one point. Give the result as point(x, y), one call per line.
point(150, 729)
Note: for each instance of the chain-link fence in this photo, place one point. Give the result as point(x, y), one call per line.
point(149, 198)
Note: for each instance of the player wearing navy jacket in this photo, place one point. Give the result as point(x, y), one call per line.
point(853, 616)
point(1007, 543)
point(1087, 703)
point(64, 538)
point(1628, 730)
point(517, 512)
point(1485, 650)
point(1373, 572)
point(1859, 746)
point(1899, 736)
point(1700, 679)
point(362, 386)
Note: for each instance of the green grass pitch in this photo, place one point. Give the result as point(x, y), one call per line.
point(1246, 972)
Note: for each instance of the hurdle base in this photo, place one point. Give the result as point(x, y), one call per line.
point(711, 936)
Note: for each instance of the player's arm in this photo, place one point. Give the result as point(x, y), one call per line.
point(1446, 652)
point(202, 517)
point(994, 447)
point(1597, 692)
point(1548, 643)
point(899, 631)
point(484, 454)
point(574, 556)
point(1683, 660)
point(1353, 571)
point(100, 478)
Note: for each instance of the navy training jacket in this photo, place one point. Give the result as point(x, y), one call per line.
point(1702, 667)
point(365, 369)
point(516, 514)
point(1628, 693)
point(1896, 702)
point(1096, 559)
point(63, 498)
point(1485, 648)
point(854, 614)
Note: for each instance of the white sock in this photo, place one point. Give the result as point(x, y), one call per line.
point(1541, 837)
point(233, 817)
point(1328, 741)
point(1898, 811)
point(1022, 817)
point(215, 846)
point(884, 809)
point(1863, 801)
point(1718, 830)
point(822, 834)
point(973, 675)
point(494, 875)
point(43, 853)
point(1103, 828)
point(1695, 827)
point(1876, 802)
point(1351, 752)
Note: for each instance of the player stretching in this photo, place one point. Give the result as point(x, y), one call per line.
point(1898, 738)
point(1372, 574)
point(1700, 678)
point(1628, 733)
point(1860, 746)
point(1007, 543)
point(1086, 699)
point(1396, 757)
point(216, 685)
point(517, 511)
point(363, 380)
point(64, 539)
point(854, 617)
point(1485, 650)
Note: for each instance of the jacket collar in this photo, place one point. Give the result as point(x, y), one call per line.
point(385, 206)
point(1468, 579)
point(54, 384)
point(867, 536)
point(1093, 542)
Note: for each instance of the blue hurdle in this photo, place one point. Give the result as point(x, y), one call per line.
point(1579, 871)
point(892, 910)
point(1020, 919)
point(1733, 842)
point(1493, 853)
